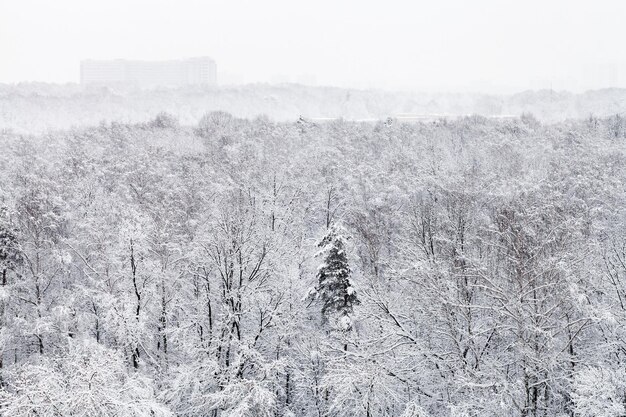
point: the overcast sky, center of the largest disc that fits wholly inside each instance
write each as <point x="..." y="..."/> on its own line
<point x="437" y="45"/>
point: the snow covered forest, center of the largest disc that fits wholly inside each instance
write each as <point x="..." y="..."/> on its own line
<point x="41" y="107"/>
<point x="249" y="267"/>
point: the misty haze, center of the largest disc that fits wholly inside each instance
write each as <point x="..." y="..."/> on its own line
<point x="312" y="209"/>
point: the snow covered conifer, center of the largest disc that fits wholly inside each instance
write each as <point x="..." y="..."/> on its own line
<point x="10" y="255"/>
<point x="334" y="288"/>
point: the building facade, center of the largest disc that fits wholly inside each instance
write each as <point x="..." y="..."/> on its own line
<point x="149" y="74"/>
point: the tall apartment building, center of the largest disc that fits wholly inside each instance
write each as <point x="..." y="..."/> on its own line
<point x="149" y="74"/>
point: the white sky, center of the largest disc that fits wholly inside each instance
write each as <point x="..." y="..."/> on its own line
<point x="436" y="45"/>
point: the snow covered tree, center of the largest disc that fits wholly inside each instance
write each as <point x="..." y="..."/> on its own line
<point x="87" y="380"/>
<point x="598" y="392"/>
<point x="10" y="255"/>
<point x="334" y="288"/>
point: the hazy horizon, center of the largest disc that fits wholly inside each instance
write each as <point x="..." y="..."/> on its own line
<point x="489" y="46"/>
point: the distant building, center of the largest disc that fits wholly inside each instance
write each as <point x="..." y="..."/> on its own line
<point x="149" y="74"/>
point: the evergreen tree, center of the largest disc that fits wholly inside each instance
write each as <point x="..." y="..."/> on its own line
<point x="10" y="255"/>
<point x="334" y="288"/>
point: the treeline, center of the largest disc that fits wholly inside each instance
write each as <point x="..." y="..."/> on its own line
<point x="35" y="108"/>
<point x="252" y="268"/>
